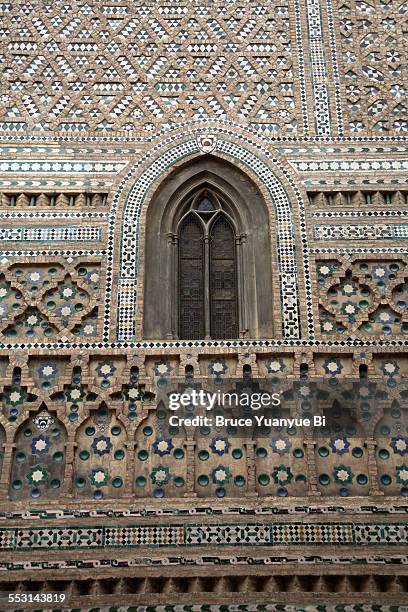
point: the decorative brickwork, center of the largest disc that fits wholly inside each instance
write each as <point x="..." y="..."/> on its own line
<point x="295" y="109"/>
<point x="49" y="299"/>
<point x="372" y="64"/>
<point x="129" y="67"/>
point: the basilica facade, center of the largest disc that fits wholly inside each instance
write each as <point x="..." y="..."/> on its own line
<point x="203" y="193"/>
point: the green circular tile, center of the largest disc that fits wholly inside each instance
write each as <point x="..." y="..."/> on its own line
<point x="178" y="453"/>
<point x="147" y="431"/>
<point x="261" y="452"/>
<point x="237" y="453"/>
<point x="357" y="452"/>
<point x="28" y="433"/>
<point x="141" y="481"/>
<point x="17" y="484"/>
<point x="58" y="456"/>
<point x="324" y="479"/>
<point x="384" y="454"/>
<point x="142" y="455"/>
<point x="119" y="454"/>
<point x="80" y="482"/>
<point x="20" y="457"/>
<point x="298" y="453"/>
<point x="323" y="451"/>
<point x="203" y="455"/>
<point x="84" y="455"/>
<point x="263" y="479"/>
<point x="239" y="481"/>
<point x="362" y="479"/>
<point x="179" y="481"/>
<point x="55" y="483"/>
<point x="386" y="479"/>
<point x="117" y="482"/>
<point x="90" y="431"/>
<point x="115" y="431"/>
<point x="203" y="480"/>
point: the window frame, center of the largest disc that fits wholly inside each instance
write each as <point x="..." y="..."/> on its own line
<point x="207" y="220"/>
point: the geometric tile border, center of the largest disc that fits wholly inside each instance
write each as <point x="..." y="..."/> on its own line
<point x="50" y="234"/>
<point x="52" y="538"/>
<point x="54" y="215"/>
<point x="360" y="232"/>
<point x="348" y="249"/>
<point x="197" y="560"/>
<point x="301" y="65"/>
<point x="67" y="254"/>
<point x="334" y="65"/>
<point x="318" y="68"/>
<point x="385" y="509"/>
<point x="279" y="607"/>
<point x="350" y="165"/>
<point x="322" y="214"/>
<point x="21" y="183"/>
<point x="62" y="166"/>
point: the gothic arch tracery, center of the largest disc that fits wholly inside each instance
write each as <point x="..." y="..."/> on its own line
<point x="208" y="288"/>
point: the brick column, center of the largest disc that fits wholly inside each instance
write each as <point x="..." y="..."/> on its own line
<point x="6" y="470"/>
<point x="311" y="468"/>
<point x="191" y="471"/>
<point x="251" y="468"/>
<point x="67" y="485"/>
<point x="371" y="445"/>
<point x="130" y="468"/>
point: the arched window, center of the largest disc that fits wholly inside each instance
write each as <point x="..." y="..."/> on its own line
<point x="207" y="256"/>
<point x="207" y="271"/>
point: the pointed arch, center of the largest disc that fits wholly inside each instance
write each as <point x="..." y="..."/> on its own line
<point x="208" y="271"/>
<point x="38" y="460"/>
<point x="266" y="169"/>
<point x="100" y="461"/>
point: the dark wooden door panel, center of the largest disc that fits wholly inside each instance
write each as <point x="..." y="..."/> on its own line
<point x="191" y="280"/>
<point x="223" y="281"/>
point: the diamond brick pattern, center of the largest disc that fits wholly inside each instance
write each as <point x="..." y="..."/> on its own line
<point x="140" y="55"/>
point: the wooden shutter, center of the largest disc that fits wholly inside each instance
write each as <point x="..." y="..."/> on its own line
<point x="223" y="280"/>
<point x="191" y="279"/>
